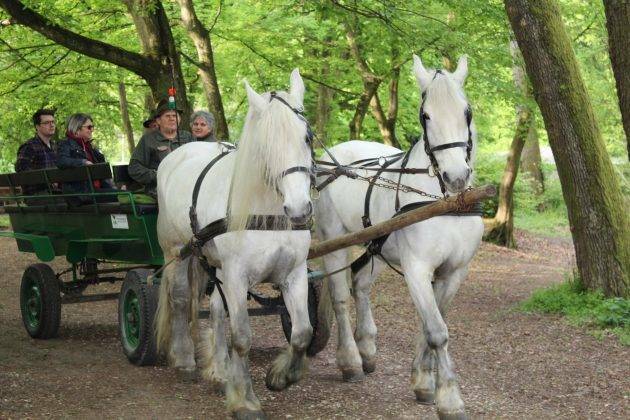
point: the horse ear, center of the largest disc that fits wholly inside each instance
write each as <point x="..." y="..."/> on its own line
<point x="422" y="75"/>
<point x="461" y="71"/>
<point x="254" y="98"/>
<point x="297" y="86"/>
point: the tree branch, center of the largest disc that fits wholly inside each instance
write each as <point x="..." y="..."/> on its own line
<point x="132" y="61"/>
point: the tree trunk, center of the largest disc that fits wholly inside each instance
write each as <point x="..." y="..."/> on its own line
<point x="531" y="162"/>
<point x="370" y="84"/>
<point x="124" y="112"/>
<point x="618" y="25"/>
<point x="530" y="158"/>
<point x="157" y="42"/>
<point x="599" y="222"/>
<point x="387" y="123"/>
<point x="201" y="38"/>
<point x="154" y="31"/>
<point x="502" y="225"/>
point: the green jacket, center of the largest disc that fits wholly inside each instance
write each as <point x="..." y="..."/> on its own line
<point x="149" y="152"/>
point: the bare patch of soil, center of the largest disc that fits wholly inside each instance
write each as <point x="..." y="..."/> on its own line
<point x="511" y="365"/>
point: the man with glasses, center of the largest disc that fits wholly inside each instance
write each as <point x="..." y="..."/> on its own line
<point x="40" y="151"/>
<point x="155" y="146"/>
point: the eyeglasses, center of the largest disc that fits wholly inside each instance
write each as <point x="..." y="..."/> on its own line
<point x="47" y="123"/>
<point x="89" y="127"/>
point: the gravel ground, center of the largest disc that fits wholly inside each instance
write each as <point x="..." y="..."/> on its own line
<point x="511" y="364"/>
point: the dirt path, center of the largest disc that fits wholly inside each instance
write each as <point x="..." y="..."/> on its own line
<point x="511" y="365"/>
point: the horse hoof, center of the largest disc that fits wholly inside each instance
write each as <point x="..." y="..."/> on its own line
<point x="244" y="414"/>
<point x="352" y="375"/>
<point x="186" y="375"/>
<point x="424" y="396"/>
<point x="452" y="415"/>
<point x="273" y="384"/>
<point x="369" y="365"/>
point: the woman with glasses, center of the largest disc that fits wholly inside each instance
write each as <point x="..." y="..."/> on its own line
<point x="77" y="150"/>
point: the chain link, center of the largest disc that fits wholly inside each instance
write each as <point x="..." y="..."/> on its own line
<point x="393" y="185"/>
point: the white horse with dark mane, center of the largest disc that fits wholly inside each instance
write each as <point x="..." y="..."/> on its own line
<point x="268" y="175"/>
<point x="434" y="254"/>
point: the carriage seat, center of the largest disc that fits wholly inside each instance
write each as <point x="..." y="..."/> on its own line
<point x="15" y="181"/>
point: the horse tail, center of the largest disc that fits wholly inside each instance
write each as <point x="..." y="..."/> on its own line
<point x="197" y="279"/>
<point x="325" y="312"/>
<point x="164" y="311"/>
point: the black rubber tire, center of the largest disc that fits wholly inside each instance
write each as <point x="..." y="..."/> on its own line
<point x="44" y="323"/>
<point x="137" y="336"/>
<point x="315" y="346"/>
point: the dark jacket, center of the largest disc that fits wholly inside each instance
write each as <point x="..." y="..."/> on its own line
<point x="149" y="152"/>
<point x="70" y="154"/>
<point x="35" y="154"/>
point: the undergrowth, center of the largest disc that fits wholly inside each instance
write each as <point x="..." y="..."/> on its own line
<point x="584" y="308"/>
<point x="4" y="221"/>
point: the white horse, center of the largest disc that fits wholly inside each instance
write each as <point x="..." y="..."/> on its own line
<point x="257" y="179"/>
<point x="434" y="254"/>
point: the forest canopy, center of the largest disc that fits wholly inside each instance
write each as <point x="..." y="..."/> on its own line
<point x="263" y="40"/>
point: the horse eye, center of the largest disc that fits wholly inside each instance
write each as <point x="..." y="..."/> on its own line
<point x="425" y="116"/>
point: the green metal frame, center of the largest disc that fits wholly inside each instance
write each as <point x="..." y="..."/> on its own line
<point x="89" y="234"/>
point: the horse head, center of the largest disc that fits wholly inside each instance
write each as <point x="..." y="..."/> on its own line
<point x="446" y="118"/>
<point x="276" y="151"/>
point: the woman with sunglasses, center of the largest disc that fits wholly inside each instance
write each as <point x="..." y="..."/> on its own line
<point x="77" y="150"/>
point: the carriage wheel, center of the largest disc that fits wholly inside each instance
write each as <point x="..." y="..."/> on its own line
<point x="40" y="301"/>
<point x="317" y="343"/>
<point x="137" y="304"/>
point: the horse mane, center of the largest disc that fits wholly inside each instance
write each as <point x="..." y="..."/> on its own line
<point x="266" y="148"/>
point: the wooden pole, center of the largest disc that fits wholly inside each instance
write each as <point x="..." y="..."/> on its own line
<point x="436" y="209"/>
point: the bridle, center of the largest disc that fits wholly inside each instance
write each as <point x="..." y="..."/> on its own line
<point x="308" y="139"/>
<point x="430" y="151"/>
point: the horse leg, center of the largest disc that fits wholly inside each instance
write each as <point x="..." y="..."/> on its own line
<point x="365" y="332"/>
<point x="290" y="366"/>
<point x="173" y="319"/>
<point x="423" y="372"/>
<point x="449" y="403"/>
<point x="241" y="400"/>
<point x="214" y="360"/>
<point x="348" y="356"/>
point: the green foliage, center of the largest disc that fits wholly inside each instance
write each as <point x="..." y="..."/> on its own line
<point x="4" y="221"/>
<point x="583" y="308"/>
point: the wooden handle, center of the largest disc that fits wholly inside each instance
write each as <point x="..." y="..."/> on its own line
<point x="435" y="209"/>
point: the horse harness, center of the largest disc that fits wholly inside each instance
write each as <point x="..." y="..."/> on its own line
<point x="255" y="222"/>
<point x="374" y="247"/>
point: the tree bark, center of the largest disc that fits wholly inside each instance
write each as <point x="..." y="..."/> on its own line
<point x="618" y="26"/>
<point x="370" y="84"/>
<point x="124" y="112"/>
<point x="201" y="38"/>
<point x="155" y="35"/>
<point x="387" y="123"/>
<point x="599" y="222"/>
<point x="157" y="42"/>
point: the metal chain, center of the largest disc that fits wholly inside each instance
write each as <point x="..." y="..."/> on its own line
<point x="393" y="185"/>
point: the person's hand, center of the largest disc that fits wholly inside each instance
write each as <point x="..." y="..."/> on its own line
<point x="87" y="162"/>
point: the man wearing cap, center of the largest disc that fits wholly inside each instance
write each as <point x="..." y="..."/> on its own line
<point x="156" y="145"/>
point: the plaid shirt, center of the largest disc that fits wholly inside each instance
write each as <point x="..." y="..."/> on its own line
<point x="34" y="154"/>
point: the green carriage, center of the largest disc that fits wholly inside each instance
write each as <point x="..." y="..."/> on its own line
<point x="121" y="231"/>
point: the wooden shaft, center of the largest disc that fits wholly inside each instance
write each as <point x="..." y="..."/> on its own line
<point x="435" y="209"/>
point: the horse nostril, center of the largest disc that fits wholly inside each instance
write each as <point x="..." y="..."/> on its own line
<point x="286" y="210"/>
<point x="446" y="177"/>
